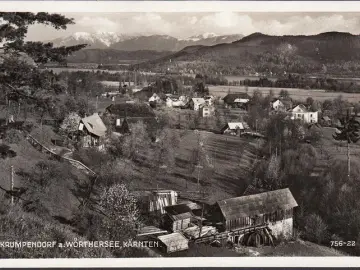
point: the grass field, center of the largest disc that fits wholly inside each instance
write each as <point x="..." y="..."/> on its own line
<point x="232" y="159"/>
<point x="295" y="93"/>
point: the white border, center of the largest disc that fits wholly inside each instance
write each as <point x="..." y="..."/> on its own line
<point x="180" y="6"/>
<point x="183" y="6"/>
<point x="189" y="262"/>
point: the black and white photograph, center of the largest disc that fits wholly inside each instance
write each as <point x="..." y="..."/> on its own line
<point x="177" y="134"/>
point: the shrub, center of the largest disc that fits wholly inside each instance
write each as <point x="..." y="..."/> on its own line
<point x="6" y="152"/>
<point x="13" y="136"/>
<point x="315" y="228"/>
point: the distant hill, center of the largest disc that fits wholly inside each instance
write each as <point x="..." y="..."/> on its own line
<point x="334" y="52"/>
<point x="111" y="56"/>
<point x="168" y="43"/>
<point x="106" y="40"/>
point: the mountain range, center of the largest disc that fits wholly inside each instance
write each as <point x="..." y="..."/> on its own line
<point x="111" y="40"/>
<point x="336" y="51"/>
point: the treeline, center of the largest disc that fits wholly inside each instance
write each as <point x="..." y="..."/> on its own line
<point x="297" y="81"/>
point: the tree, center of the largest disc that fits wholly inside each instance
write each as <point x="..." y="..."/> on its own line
<point x="349" y="132"/>
<point x="70" y="124"/>
<point x="315" y="228"/>
<point x="164" y="151"/>
<point x="120" y="217"/>
<point x="19" y="71"/>
<point x="284" y="94"/>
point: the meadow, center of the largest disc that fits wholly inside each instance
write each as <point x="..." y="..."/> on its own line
<point x="295" y="93"/>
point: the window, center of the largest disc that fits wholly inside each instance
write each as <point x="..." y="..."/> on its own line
<point x="311" y="115"/>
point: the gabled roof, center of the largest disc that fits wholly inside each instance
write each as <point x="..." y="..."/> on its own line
<point x="94" y="125"/>
<point x="262" y="203"/>
<point x="230" y="98"/>
<point x="179" y="211"/>
<point x="130" y="110"/>
<point x="235" y="125"/>
<point x="301" y="107"/>
<point x="198" y="100"/>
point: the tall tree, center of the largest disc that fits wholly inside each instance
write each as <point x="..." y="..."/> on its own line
<point x="349" y="132"/>
<point x="19" y="69"/>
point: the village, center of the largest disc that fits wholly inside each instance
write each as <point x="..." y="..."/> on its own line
<point x="258" y="217"/>
<point x="172" y="148"/>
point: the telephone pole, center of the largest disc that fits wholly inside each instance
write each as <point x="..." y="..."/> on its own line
<point x="12" y="184"/>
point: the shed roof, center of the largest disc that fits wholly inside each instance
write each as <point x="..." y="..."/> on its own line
<point x="262" y="203"/>
<point x="172" y="239"/>
<point x="94" y="125"/>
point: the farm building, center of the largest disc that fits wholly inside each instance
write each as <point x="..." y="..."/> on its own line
<point x="196" y="103"/>
<point x="300" y="112"/>
<point x="178" y="217"/>
<point x="173" y="242"/>
<point x="272" y="209"/>
<point x="92" y="130"/>
<point x="236" y="100"/>
<point x="123" y="115"/>
<point x="234" y="128"/>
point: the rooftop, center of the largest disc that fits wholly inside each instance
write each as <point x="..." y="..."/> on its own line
<point x="251" y="205"/>
<point x="94" y="125"/>
<point x="131" y="110"/>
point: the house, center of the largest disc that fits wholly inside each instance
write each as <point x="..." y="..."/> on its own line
<point x="209" y="100"/>
<point x="175" y="101"/>
<point x="123" y="115"/>
<point x="236" y="100"/>
<point x="280" y="104"/>
<point x="207" y="111"/>
<point x="326" y="121"/>
<point x="272" y="209"/>
<point x="300" y="112"/>
<point x="234" y="128"/>
<point x="196" y="103"/>
<point x="92" y="130"/>
<point x="155" y="98"/>
<point x="177" y="217"/>
<point x="173" y="242"/>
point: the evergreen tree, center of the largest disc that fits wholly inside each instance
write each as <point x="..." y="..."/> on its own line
<point x="349" y="132"/>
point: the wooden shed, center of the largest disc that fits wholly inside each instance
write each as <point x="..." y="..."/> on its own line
<point x="178" y="217"/>
<point x="273" y="209"/>
<point x="173" y="242"/>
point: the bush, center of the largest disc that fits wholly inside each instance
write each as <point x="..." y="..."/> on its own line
<point x="6" y="152"/>
<point x="315" y="228"/>
<point x="13" y="136"/>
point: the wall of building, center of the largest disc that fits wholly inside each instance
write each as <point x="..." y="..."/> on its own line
<point x="282" y="227"/>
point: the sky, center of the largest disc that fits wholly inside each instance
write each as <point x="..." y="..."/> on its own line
<point x="183" y="25"/>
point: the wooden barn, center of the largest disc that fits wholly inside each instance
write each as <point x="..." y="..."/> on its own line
<point x="273" y="209"/>
<point x="173" y="242"/>
<point x="178" y="217"/>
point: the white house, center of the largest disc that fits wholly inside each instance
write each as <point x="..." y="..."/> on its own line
<point x="197" y="103"/>
<point x="300" y="112"/>
<point x="234" y="128"/>
<point x="207" y="111"/>
<point x="154" y="98"/>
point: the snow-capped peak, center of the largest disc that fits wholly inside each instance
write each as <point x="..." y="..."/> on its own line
<point x="201" y="36"/>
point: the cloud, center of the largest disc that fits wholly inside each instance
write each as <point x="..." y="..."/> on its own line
<point x="97" y="24"/>
<point x="187" y="24"/>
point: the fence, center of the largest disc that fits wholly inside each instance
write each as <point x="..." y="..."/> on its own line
<point x="77" y="164"/>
